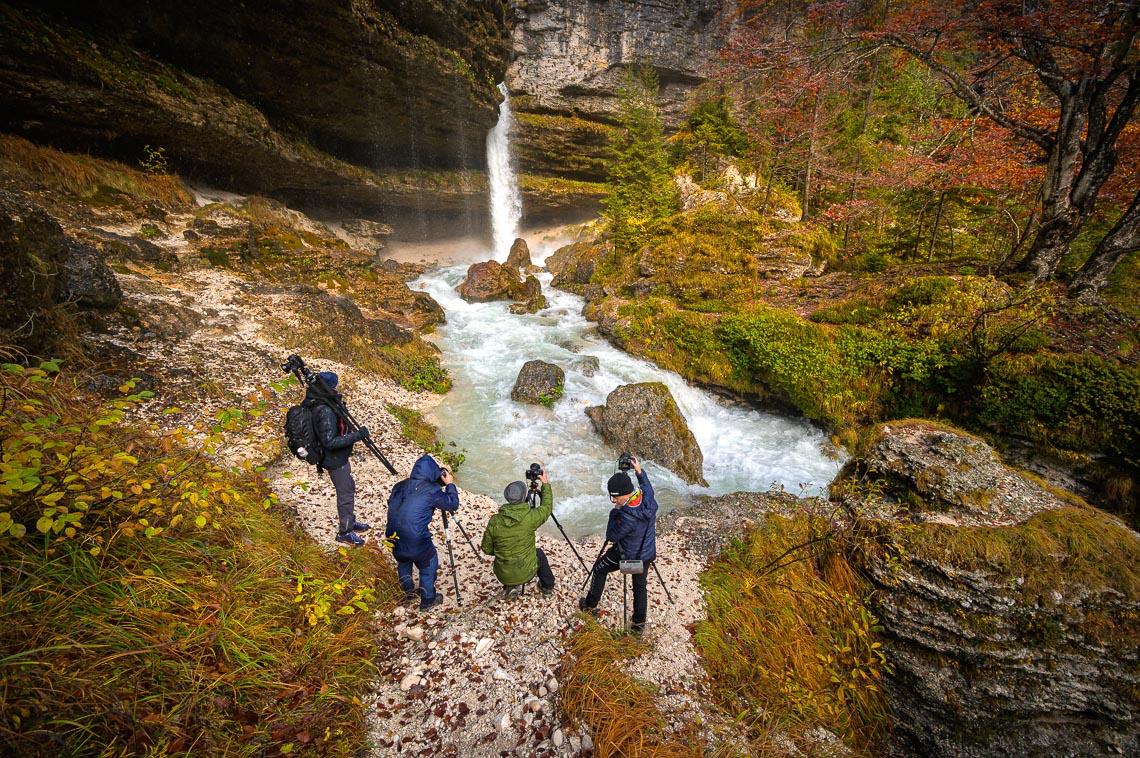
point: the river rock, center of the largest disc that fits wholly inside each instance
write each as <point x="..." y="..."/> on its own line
<point x="587" y="365"/>
<point x="531" y="295"/>
<point x="519" y="259"/>
<point x="1010" y="624"/>
<point x="86" y="278"/>
<point x="487" y="281"/>
<point x="539" y="383"/>
<point x="644" y="419"/>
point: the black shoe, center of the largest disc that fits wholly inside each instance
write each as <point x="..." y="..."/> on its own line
<point x="427" y="605"/>
<point x="583" y="606"/>
<point x="636" y="629"/>
<point x="359" y="526"/>
<point x="410" y="596"/>
<point x="351" y="538"/>
<point x="512" y="591"/>
<point x="547" y="591"/>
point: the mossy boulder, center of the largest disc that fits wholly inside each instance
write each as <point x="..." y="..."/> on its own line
<point x="539" y="383"/>
<point x="644" y="419"/>
<point x="1010" y="612"/>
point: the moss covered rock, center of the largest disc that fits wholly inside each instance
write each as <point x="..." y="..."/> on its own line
<point x="644" y="419"/>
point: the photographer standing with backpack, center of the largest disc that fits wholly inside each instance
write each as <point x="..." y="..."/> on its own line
<point x="336" y="446"/>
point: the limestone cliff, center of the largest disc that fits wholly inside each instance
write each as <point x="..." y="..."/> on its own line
<point x="569" y="57"/>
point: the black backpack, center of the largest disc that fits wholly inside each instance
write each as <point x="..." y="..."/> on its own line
<point x="301" y="434"/>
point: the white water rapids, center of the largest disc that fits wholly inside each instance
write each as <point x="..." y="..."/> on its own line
<point x="484" y="346"/>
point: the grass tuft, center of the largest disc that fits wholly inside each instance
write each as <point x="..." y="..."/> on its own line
<point x="617" y="708"/>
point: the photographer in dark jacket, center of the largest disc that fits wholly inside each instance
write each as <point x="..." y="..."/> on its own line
<point x="337" y="447"/>
<point x="411" y="506"/>
<point x="632" y="530"/>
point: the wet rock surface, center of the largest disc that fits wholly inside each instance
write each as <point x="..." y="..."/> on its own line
<point x="643" y="419"/>
<point x="538" y="383"/>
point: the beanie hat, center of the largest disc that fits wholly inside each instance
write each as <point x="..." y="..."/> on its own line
<point x="330" y="378"/>
<point x="619" y="484"/>
<point x="515" y="492"/>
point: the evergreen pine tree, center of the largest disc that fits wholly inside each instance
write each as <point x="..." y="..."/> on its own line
<point x="640" y="177"/>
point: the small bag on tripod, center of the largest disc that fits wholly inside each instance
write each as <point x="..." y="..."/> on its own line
<point x="631" y="567"/>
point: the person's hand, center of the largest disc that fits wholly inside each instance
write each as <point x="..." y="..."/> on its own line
<point x="636" y="463"/>
<point x="542" y="477"/>
<point x="362" y="433"/>
<point x="446" y="477"/>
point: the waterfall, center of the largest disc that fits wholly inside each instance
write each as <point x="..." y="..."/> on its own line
<point x="506" y="202"/>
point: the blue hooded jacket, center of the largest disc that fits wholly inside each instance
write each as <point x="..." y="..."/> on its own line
<point x="412" y="505"/>
<point x="634" y="530"/>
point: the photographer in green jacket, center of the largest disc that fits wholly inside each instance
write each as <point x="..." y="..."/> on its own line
<point x="510" y="535"/>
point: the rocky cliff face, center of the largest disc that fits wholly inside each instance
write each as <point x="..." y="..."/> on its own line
<point x="311" y="102"/>
<point x="1009" y="612"/>
<point x="569" y="57"/>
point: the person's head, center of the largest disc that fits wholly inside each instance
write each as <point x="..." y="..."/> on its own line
<point x="329" y="378"/>
<point x="515" y="493"/>
<point x="620" y="488"/>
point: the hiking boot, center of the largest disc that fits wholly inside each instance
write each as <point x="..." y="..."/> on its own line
<point x="637" y="629"/>
<point x="351" y="538"/>
<point x="583" y="606"/>
<point x="360" y="526"/>
<point x="512" y="591"/>
<point x="427" y="605"/>
<point x="546" y="591"/>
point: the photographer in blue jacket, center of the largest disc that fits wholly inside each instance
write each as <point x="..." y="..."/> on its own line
<point x="632" y="529"/>
<point x="411" y="507"/>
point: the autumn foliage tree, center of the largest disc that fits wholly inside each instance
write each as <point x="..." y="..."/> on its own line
<point x="1058" y="77"/>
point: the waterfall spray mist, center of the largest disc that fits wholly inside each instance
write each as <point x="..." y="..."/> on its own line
<point x="506" y="202"/>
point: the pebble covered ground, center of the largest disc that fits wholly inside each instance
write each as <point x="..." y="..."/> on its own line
<point x="478" y="675"/>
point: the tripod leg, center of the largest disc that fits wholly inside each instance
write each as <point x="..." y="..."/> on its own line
<point x="662" y="580"/>
<point x="451" y="558"/>
<point x="469" y="542"/>
<point x="590" y="573"/>
<point x="570" y="543"/>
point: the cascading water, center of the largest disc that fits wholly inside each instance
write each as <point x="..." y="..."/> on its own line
<point x="484" y="346"/>
<point x="506" y="201"/>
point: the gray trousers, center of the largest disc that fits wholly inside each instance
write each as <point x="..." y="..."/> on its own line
<point x="345" y="487"/>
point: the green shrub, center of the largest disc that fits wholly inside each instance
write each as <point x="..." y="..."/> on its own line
<point x="1074" y="402"/>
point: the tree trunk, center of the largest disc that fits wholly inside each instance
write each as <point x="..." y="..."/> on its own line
<point x="859" y="156"/>
<point x="805" y="196"/>
<point x="934" y="231"/>
<point x="1123" y="239"/>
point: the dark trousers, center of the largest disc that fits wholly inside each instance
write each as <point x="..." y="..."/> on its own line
<point x="545" y="575"/>
<point x="345" y="487"/>
<point x="428" y="565"/>
<point x="608" y="564"/>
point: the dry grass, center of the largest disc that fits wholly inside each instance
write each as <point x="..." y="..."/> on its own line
<point x="619" y="710"/>
<point x="789" y="644"/>
<point x="92" y="180"/>
<point x="227" y="632"/>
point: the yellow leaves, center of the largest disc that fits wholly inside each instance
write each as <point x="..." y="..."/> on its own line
<point x="52" y="498"/>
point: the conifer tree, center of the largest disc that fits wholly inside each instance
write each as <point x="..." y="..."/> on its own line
<point x="640" y="177"/>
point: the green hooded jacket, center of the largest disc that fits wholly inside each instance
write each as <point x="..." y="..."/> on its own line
<point x="510" y="538"/>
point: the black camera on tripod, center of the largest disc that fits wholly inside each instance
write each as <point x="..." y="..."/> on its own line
<point x="533" y="473"/>
<point x="292" y="363"/>
<point x="625" y="462"/>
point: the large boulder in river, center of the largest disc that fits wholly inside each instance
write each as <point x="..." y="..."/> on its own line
<point x="487" y="281"/>
<point x="644" y="419"/>
<point x="539" y="383"/>
<point x="1010" y="611"/>
<point x="519" y="259"/>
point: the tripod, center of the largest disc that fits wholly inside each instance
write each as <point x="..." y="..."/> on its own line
<point x="532" y="498"/>
<point x="451" y="557"/>
<point x="296" y="366"/>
